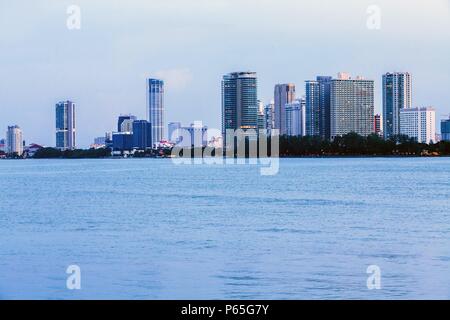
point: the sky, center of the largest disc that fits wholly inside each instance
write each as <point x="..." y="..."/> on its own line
<point x="191" y="44"/>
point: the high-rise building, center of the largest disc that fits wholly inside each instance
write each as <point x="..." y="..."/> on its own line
<point x="261" y="116"/>
<point x="128" y="120"/>
<point x="239" y="101"/>
<point x="174" y="129"/>
<point x="283" y="94"/>
<point x="296" y="118"/>
<point x="313" y="114"/>
<point x="445" y="130"/>
<point x="142" y="135"/>
<point x="352" y="106"/>
<point x="269" y="116"/>
<point x="65" y="125"/>
<point x="377" y="125"/>
<point x="122" y="141"/>
<point x="14" y="140"/>
<point x="396" y="96"/>
<point x="155" y="105"/>
<point x="318" y="106"/>
<point x="418" y="123"/>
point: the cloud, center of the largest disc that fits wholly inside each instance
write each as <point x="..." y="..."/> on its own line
<point x="175" y="79"/>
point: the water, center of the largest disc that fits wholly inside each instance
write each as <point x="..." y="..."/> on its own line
<point x="147" y="229"/>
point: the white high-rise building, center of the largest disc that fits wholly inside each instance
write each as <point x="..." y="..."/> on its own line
<point x="419" y="123"/>
<point x="296" y="118"/>
<point x="155" y="108"/>
<point x="352" y="106"/>
<point x="14" y="140"/>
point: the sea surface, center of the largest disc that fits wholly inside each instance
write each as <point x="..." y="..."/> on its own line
<point x="150" y="229"/>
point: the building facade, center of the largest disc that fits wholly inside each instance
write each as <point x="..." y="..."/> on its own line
<point x="352" y="106"/>
<point x="239" y="101"/>
<point x="419" y="123"/>
<point x="269" y="116"/>
<point x="313" y="114"/>
<point x="377" y="125"/>
<point x="142" y="135"/>
<point x="397" y="95"/>
<point x="296" y="118"/>
<point x="14" y="140"/>
<point x="128" y="120"/>
<point x="445" y="130"/>
<point x="283" y="94"/>
<point x="65" y="125"/>
<point x="155" y="108"/>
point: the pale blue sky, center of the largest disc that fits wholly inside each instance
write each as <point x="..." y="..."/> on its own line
<point x="192" y="43"/>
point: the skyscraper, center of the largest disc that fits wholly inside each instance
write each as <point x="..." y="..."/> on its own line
<point x="396" y="96"/>
<point x="318" y="106"/>
<point x="155" y="104"/>
<point x="269" y="116"/>
<point x="283" y="94"/>
<point x="122" y="118"/>
<point x="65" y="125"/>
<point x="352" y="106"/>
<point x="296" y="118"/>
<point x="445" y="130"/>
<point x="142" y="134"/>
<point x="418" y="123"/>
<point x="239" y="101"/>
<point x="14" y="140"/>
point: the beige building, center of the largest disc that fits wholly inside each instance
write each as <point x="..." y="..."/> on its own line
<point x="14" y="140"/>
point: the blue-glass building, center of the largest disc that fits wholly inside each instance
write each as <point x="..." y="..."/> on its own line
<point x="123" y="118"/>
<point x="155" y="111"/>
<point x="318" y="107"/>
<point x="445" y="130"/>
<point x="142" y="135"/>
<point x="239" y="101"/>
<point x="65" y="125"/>
<point x="122" y="141"/>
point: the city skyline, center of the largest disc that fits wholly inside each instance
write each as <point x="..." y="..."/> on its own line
<point x="103" y="66"/>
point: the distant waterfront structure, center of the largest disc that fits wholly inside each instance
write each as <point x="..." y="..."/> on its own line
<point x="261" y="116"/>
<point x="352" y="106"/>
<point x="296" y="118"/>
<point x="174" y="135"/>
<point x="445" y="129"/>
<point x="397" y="95"/>
<point x="283" y="94"/>
<point x="122" y="142"/>
<point x="239" y="101"/>
<point x="377" y="125"/>
<point x="155" y="108"/>
<point x="419" y="123"/>
<point x="269" y="116"/>
<point x="14" y="140"/>
<point x="3" y="145"/>
<point x="125" y="123"/>
<point x="65" y="125"/>
<point x="142" y="135"/>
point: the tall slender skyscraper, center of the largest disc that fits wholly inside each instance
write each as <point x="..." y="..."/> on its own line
<point x="318" y="106"/>
<point x="239" y="101"/>
<point x="396" y="96"/>
<point x="14" y="140"/>
<point x="155" y="108"/>
<point x="65" y="125"/>
<point x="352" y="106"/>
<point x="283" y="94"/>
<point x="312" y="112"/>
